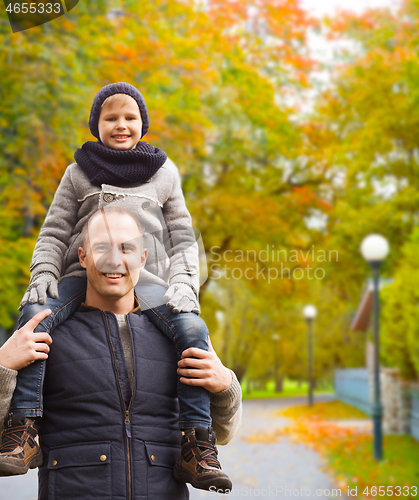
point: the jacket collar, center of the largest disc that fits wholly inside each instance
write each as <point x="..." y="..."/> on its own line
<point x="86" y="308"/>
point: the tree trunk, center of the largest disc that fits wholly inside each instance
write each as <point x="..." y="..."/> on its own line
<point x="279" y="383"/>
<point x="248" y="387"/>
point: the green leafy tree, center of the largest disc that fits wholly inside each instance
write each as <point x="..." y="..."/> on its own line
<point x="400" y="313"/>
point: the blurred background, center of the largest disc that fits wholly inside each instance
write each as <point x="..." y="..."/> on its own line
<point x="294" y="126"/>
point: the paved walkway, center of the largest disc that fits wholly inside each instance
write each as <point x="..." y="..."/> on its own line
<point x="271" y="470"/>
<point x="264" y="470"/>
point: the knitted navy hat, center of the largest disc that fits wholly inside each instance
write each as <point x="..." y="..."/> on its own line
<point x="112" y="89"/>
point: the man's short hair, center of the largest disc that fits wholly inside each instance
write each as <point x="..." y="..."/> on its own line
<point x="112" y="209"/>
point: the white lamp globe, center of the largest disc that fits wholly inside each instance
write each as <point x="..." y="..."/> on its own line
<point x="374" y="248"/>
<point x="309" y="312"/>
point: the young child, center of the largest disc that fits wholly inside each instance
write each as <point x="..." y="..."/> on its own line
<point x="120" y="169"/>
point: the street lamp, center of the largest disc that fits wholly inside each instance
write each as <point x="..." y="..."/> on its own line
<point x="374" y="249"/>
<point x="277" y="360"/>
<point x="309" y="313"/>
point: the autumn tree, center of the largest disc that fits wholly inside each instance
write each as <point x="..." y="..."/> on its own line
<point x="220" y="83"/>
<point x="364" y="133"/>
<point x="46" y="73"/>
<point x="400" y="313"/>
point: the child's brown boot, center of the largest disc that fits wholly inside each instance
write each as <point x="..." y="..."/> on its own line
<point x="198" y="463"/>
<point x="19" y="451"/>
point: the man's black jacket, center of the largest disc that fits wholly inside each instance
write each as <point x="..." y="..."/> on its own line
<point x="98" y="442"/>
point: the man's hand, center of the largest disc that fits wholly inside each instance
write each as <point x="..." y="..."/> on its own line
<point x="206" y="366"/>
<point x="26" y="346"/>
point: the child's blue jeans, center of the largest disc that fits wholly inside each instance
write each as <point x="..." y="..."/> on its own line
<point x="185" y="329"/>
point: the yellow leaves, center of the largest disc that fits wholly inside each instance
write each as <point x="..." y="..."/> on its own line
<point x="123" y="51"/>
<point x="20" y="171"/>
<point x="267" y="437"/>
<point x="317" y="433"/>
<point x="347" y="447"/>
<point x="333" y="410"/>
<point x="14" y="256"/>
<point x="314" y="426"/>
<point x="249" y="27"/>
<point x="66" y="24"/>
<point x="189" y="65"/>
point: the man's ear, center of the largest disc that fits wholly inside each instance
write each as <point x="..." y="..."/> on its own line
<point x="143" y="258"/>
<point x="82" y="257"/>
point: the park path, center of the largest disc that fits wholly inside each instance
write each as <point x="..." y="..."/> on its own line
<point x="256" y="469"/>
<point x="271" y="470"/>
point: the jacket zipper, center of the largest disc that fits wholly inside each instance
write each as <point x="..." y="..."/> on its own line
<point x="126" y="411"/>
<point x="128" y="433"/>
<point x="127" y="421"/>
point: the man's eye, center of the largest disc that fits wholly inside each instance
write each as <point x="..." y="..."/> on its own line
<point x="126" y="248"/>
<point x="110" y="119"/>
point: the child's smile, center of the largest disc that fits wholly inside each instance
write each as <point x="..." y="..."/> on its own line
<point x="120" y="125"/>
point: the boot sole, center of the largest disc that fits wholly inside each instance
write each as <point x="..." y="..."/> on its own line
<point x="184" y="477"/>
<point x="16" y="470"/>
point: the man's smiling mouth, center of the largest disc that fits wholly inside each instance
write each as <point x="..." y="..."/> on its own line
<point x="113" y="275"/>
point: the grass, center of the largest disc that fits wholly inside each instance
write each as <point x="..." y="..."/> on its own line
<point x="290" y="388"/>
<point x="352" y="464"/>
<point x="349" y="452"/>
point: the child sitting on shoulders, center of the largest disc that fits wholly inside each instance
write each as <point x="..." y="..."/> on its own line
<point x="120" y="169"/>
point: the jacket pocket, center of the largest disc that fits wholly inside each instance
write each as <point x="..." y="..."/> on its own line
<point x="80" y="471"/>
<point x="160" y="481"/>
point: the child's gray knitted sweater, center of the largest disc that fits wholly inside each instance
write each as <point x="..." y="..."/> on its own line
<point x="160" y="205"/>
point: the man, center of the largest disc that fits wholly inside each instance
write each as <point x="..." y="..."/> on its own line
<point x="110" y="424"/>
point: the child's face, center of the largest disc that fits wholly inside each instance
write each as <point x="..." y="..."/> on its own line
<point x="120" y="124"/>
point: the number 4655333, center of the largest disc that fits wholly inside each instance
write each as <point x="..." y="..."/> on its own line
<point x="34" y="8"/>
<point x="389" y="491"/>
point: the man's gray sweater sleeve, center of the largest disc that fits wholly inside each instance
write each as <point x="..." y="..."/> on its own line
<point x="226" y="411"/>
<point x="7" y="386"/>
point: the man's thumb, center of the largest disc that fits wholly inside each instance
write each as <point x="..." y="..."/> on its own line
<point x="34" y="322"/>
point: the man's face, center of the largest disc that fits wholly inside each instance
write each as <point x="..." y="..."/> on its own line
<point x="120" y="124"/>
<point x="114" y="257"/>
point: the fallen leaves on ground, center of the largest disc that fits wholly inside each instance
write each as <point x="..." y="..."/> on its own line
<point x="332" y="410"/>
<point x="346" y="445"/>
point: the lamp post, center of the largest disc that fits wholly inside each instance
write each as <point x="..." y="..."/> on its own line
<point x="374" y="249"/>
<point x="309" y="313"/>
<point x="277" y="359"/>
